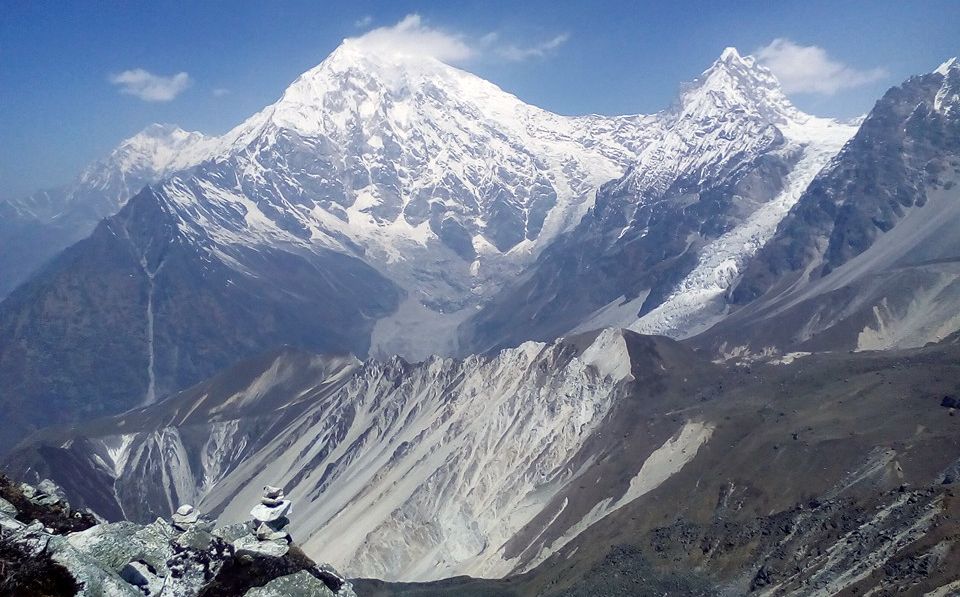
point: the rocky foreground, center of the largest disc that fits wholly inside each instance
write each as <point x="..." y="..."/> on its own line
<point x="48" y="548"/>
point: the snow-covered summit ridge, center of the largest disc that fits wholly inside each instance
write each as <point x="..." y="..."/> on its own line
<point x="449" y="185"/>
<point x="735" y="83"/>
<point x="726" y="117"/>
<point x="105" y="185"/>
<point x="409" y="138"/>
<point x="945" y="68"/>
<point x="948" y="97"/>
<point x="156" y="150"/>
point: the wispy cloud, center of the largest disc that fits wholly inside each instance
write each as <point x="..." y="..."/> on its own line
<point x="363" y="21"/>
<point x="413" y="36"/>
<point x="809" y="69"/>
<point x="516" y="53"/>
<point x="220" y="92"/>
<point x="150" y="87"/>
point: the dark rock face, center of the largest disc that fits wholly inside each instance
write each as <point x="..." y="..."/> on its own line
<point x="52" y="511"/>
<point x="454" y="235"/>
<point x="626" y="245"/>
<point x="139" y="310"/>
<point x="239" y="573"/>
<point x="26" y="573"/>
<point x="28" y="243"/>
<point x="882" y="173"/>
<point x="35" y="228"/>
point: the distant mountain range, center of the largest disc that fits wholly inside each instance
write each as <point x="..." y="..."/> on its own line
<point x="373" y="208"/>
<point x="395" y="205"/>
<point x="33" y="229"/>
<point x="724" y="334"/>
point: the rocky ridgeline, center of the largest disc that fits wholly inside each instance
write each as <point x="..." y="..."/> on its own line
<point x="47" y="548"/>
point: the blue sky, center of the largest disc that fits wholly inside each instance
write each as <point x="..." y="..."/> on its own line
<point x="64" y="65"/>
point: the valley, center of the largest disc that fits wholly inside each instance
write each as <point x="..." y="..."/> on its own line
<point x="444" y="341"/>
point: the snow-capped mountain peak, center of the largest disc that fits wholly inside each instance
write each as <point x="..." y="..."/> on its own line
<point x="152" y="153"/>
<point x="106" y="184"/>
<point x="359" y="84"/>
<point x="945" y="68"/>
<point x="948" y="97"/>
<point x="735" y="83"/>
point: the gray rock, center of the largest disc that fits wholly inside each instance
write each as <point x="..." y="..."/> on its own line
<point x="51" y="491"/>
<point x="116" y="544"/>
<point x="27" y="490"/>
<point x="185" y="516"/>
<point x="7" y="508"/>
<point x="196" y="538"/>
<point x="231" y="532"/>
<point x="95" y="579"/>
<point x="141" y="576"/>
<point x="9" y="523"/>
<point x="272" y="496"/>
<point x="300" y="584"/>
<point x="273" y="531"/>
<point x="252" y="546"/>
<point x="275" y="493"/>
<point x="264" y="513"/>
<point x="126" y="559"/>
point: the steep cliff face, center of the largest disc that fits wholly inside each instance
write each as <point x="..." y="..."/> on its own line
<point x="141" y="309"/>
<point x="420" y="470"/>
<point x="539" y="459"/>
<point x="904" y="147"/>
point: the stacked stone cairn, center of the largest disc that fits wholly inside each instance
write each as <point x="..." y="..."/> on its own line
<point x="270" y="516"/>
<point x="185" y="518"/>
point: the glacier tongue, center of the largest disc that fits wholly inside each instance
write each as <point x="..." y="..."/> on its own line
<point x="697" y="301"/>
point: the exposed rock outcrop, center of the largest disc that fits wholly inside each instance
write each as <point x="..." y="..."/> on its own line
<point x="62" y="552"/>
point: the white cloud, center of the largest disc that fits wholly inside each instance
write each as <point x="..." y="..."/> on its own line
<point x="809" y="69"/>
<point x="220" y="92"/>
<point x="516" y="53"/>
<point x="411" y="37"/>
<point x="363" y="21"/>
<point x="150" y="87"/>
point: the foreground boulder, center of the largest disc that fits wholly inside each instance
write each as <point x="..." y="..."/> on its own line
<point x="47" y="549"/>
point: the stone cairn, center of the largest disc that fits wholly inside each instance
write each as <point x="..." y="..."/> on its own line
<point x="185" y="517"/>
<point x="270" y="515"/>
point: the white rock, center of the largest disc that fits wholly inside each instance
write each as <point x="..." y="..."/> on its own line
<point x="251" y="545"/>
<point x="264" y="513"/>
<point x="10" y="523"/>
<point x="7" y="508"/>
<point x="271" y="492"/>
<point x="185" y="516"/>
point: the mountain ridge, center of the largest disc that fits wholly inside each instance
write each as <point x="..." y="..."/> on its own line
<point x="759" y="455"/>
